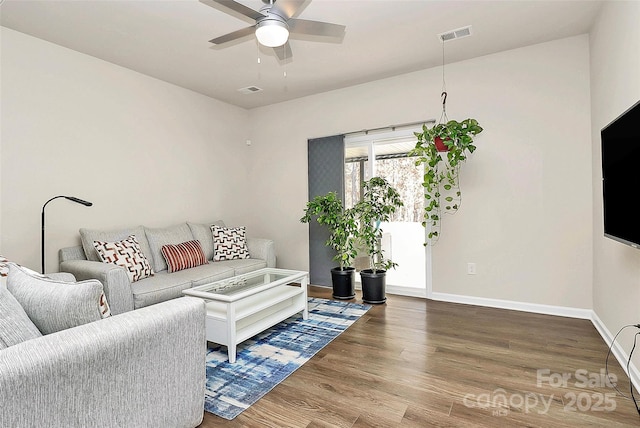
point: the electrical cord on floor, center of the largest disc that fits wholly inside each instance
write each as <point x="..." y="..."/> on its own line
<point x="628" y="363"/>
<point x="606" y="365"/>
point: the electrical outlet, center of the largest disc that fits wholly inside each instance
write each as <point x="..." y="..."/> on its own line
<point x="471" y="268"/>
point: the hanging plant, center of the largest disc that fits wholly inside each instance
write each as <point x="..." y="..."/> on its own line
<point x="441" y="174"/>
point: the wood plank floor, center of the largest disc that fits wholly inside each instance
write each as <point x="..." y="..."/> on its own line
<point x="420" y="363"/>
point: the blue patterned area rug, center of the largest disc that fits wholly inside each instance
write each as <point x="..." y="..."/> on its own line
<point x="268" y="358"/>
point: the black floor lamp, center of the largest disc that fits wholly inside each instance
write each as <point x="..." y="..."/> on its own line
<point x="71" y="198"/>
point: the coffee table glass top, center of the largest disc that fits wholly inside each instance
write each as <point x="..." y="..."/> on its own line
<point x="250" y="281"/>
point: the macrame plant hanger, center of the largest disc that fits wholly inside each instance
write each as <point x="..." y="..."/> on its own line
<point x="443" y="117"/>
<point x="450" y="192"/>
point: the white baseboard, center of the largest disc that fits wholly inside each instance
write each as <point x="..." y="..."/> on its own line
<point x="620" y="355"/>
<point x="406" y="291"/>
<point x="617" y="351"/>
<point x="562" y="311"/>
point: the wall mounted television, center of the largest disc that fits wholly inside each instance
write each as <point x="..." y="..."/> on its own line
<point x="621" y="177"/>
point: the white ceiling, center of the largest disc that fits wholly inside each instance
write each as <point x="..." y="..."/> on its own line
<point x="168" y="39"/>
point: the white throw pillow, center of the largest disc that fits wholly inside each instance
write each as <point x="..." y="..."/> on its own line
<point x="127" y="254"/>
<point x="229" y="243"/>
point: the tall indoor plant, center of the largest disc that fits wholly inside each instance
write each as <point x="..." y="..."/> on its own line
<point x="441" y="174"/>
<point x="379" y="201"/>
<point x="329" y="211"/>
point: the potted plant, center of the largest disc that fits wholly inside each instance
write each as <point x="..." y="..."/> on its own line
<point x="441" y="174"/>
<point x="341" y="223"/>
<point x="379" y="201"/>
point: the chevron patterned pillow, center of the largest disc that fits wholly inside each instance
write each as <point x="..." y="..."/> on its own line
<point x="127" y="254"/>
<point x="229" y="243"/>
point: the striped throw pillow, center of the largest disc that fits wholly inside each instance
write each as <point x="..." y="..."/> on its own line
<point x="183" y="256"/>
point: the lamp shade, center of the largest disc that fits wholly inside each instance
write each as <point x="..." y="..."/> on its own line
<point x="272" y="33"/>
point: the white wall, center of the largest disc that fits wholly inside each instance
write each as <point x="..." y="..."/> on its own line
<point x="615" y="86"/>
<point x="526" y="213"/>
<point x="142" y="150"/>
<point x="70" y="120"/>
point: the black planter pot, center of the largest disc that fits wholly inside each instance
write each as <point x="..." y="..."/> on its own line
<point x="343" y="283"/>
<point x="373" y="286"/>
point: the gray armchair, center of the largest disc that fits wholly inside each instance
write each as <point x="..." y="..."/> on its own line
<point x="143" y="368"/>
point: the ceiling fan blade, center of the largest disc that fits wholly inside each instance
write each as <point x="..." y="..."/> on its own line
<point x="283" y="52"/>
<point x="233" y="35"/>
<point x="288" y="8"/>
<point x="235" y="6"/>
<point x="315" y="28"/>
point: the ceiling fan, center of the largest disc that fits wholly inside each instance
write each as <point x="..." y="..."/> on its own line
<point x="273" y="23"/>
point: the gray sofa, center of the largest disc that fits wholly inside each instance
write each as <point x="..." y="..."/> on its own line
<point x="142" y="368"/>
<point x="124" y="295"/>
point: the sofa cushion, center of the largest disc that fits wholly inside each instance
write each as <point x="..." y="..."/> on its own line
<point x="164" y="285"/>
<point x="88" y="236"/>
<point x="160" y="287"/>
<point x="229" y="243"/>
<point x="243" y="265"/>
<point x="212" y="272"/>
<point x="163" y="236"/>
<point x="127" y="254"/>
<point x="15" y="325"/>
<point x="55" y="305"/>
<point x="202" y="232"/>
<point x="183" y="256"/>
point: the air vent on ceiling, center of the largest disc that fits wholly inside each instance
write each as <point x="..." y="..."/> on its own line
<point x="249" y="90"/>
<point x="458" y="33"/>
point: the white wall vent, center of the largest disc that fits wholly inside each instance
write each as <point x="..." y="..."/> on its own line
<point x="458" y="33"/>
<point x="249" y="90"/>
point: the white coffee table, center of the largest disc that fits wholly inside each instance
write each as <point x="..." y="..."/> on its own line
<point x="241" y="307"/>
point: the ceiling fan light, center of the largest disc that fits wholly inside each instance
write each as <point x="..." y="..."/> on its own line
<point x="272" y="33"/>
